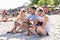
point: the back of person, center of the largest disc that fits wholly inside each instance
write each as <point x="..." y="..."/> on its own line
<point x="41" y="19"/>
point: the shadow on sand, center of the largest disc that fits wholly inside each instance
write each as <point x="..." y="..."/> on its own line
<point x="21" y="36"/>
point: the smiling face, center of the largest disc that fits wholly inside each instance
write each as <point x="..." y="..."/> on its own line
<point x="33" y="11"/>
<point x="23" y="12"/>
<point x="41" y="13"/>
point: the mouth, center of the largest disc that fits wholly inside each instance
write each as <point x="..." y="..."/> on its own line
<point x="39" y="14"/>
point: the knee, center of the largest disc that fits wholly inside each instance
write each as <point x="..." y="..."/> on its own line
<point x="41" y="31"/>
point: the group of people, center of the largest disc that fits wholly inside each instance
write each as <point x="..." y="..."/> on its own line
<point x="33" y="19"/>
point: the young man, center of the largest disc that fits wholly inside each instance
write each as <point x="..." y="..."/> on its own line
<point x="32" y="14"/>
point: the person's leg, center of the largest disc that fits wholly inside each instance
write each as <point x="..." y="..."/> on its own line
<point x="24" y="25"/>
<point x="16" y="25"/>
<point x="32" y="30"/>
<point x="14" y="29"/>
<point x="20" y="27"/>
<point x="41" y="31"/>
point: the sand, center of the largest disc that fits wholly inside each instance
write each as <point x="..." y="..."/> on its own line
<point x="54" y="31"/>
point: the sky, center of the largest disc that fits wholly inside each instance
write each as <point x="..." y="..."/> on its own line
<point x="7" y="4"/>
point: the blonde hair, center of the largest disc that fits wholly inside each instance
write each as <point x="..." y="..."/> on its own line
<point x="21" y="16"/>
<point x="39" y="9"/>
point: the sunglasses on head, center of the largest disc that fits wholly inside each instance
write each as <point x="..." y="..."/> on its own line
<point x="23" y="11"/>
<point x="40" y="10"/>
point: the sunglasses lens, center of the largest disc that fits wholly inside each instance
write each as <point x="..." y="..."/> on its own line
<point x="23" y="11"/>
<point x="40" y="10"/>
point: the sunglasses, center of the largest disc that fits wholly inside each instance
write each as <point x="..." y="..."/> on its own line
<point x="23" y="11"/>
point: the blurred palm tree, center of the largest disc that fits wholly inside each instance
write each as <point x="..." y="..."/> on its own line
<point x="50" y="2"/>
<point x="45" y="2"/>
<point x="56" y="2"/>
<point x="41" y="2"/>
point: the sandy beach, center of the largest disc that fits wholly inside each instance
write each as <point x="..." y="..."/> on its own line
<point x="54" y="31"/>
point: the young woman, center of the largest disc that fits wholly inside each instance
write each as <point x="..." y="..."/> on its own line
<point x="19" y="20"/>
<point x="42" y="29"/>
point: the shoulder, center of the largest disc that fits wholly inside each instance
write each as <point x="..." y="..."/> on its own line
<point x="46" y="18"/>
<point x="29" y="15"/>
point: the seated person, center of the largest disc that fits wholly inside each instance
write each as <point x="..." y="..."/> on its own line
<point x="13" y="18"/>
<point x="5" y="19"/>
<point x="42" y="29"/>
<point x="19" y="20"/>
